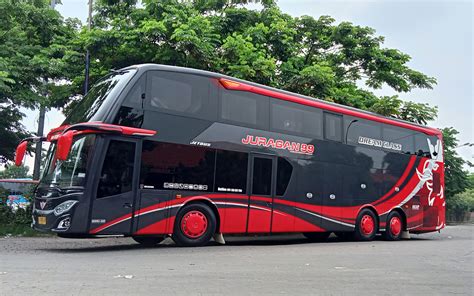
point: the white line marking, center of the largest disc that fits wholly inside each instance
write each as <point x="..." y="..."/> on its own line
<point x="326" y="218"/>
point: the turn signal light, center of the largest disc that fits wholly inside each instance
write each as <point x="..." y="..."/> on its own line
<point x="234" y="85"/>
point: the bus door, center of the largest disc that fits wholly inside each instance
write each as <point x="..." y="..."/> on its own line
<point x="113" y="201"/>
<point x="262" y="190"/>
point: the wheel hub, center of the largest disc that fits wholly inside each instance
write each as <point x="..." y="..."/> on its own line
<point x="395" y="226"/>
<point x="367" y="225"/>
<point x="194" y="224"/>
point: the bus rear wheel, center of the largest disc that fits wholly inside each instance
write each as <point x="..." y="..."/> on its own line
<point x="148" y="241"/>
<point x="366" y="226"/>
<point x="317" y="236"/>
<point x="394" y="227"/>
<point x="194" y="225"/>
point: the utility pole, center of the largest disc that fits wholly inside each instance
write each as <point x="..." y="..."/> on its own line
<point x="88" y="55"/>
<point x="39" y="144"/>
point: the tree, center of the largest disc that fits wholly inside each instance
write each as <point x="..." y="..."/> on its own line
<point x="34" y="63"/>
<point x="394" y="107"/>
<point x="42" y="55"/>
<point x="314" y="57"/>
<point x="455" y="177"/>
<point x="14" y="172"/>
<point x="470" y="179"/>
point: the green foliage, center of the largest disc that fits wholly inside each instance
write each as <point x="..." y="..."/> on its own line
<point x="15" y="221"/>
<point x="459" y="185"/>
<point x="11" y="131"/>
<point x="455" y="177"/>
<point x="315" y="57"/>
<point x="33" y="61"/>
<point x="394" y="107"/>
<point x="15" y="172"/>
<point x="42" y="55"/>
<point x="470" y="179"/>
<point x="460" y="205"/>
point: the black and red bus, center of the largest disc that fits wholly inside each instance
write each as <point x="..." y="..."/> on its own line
<point x="154" y="151"/>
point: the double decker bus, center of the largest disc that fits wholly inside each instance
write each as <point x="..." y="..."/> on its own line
<point x="155" y="151"/>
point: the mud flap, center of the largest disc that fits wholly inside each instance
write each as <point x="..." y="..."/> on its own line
<point x="219" y="238"/>
<point x="405" y="235"/>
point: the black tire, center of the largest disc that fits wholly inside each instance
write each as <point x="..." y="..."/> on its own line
<point x="361" y="233"/>
<point x="148" y="241"/>
<point x="345" y="235"/>
<point x="317" y="236"/>
<point x="181" y="238"/>
<point x="393" y="232"/>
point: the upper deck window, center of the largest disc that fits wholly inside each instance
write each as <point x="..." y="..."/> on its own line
<point x="244" y="108"/>
<point x="294" y="118"/>
<point x="180" y="93"/>
<point x="359" y="129"/>
<point x="404" y="137"/>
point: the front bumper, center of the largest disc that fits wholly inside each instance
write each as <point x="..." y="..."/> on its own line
<point x="46" y="221"/>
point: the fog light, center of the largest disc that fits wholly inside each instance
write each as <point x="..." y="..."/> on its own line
<point x="64" y="224"/>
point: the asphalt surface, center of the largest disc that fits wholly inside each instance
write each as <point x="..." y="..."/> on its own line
<point x="429" y="264"/>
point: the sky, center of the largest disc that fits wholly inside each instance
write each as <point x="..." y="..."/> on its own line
<point x="438" y="35"/>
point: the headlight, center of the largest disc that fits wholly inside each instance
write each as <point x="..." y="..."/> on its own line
<point x="64" y="207"/>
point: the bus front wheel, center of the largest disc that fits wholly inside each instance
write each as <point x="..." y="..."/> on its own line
<point x="194" y="225"/>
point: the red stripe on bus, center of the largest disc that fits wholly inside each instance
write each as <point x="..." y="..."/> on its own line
<point x="239" y="86"/>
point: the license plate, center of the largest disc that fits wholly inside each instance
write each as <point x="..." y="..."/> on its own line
<point x="42" y="220"/>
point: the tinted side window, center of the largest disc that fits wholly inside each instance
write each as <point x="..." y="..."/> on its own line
<point x="244" y="108"/>
<point x="421" y="145"/>
<point x="262" y="176"/>
<point x="131" y="111"/>
<point x="129" y="116"/>
<point x="179" y="93"/>
<point x="333" y="127"/>
<point x="400" y="136"/>
<point x="284" y="170"/>
<point x="290" y="117"/>
<point x="117" y="171"/>
<point x="356" y="128"/>
<point x="134" y="96"/>
<point x="231" y="171"/>
<point x="177" y="167"/>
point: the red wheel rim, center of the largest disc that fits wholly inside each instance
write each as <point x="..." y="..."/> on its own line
<point x="395" y="226"/>
<point x="367" y="225"/>
<point x="194" y="224"/>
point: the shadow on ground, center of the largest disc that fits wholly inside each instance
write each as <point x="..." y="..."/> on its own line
<point x="274" y="240"/>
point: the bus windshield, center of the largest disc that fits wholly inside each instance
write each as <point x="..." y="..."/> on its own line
<point x="100" y="98"/>
<point x="73" y="171"/>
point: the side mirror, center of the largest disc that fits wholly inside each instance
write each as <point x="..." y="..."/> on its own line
<point x="20" y="153"/>
<point x="64" y="145"/>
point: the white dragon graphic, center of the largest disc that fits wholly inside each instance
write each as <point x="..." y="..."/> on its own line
<point x="431" y="165"/>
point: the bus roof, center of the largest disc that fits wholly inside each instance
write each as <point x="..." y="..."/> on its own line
<point x="244" y="85"/>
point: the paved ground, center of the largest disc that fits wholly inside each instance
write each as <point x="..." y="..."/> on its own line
<point x="430" y="264"/>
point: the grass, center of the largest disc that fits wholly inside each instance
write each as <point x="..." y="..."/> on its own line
<point x="20" y="230"/>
